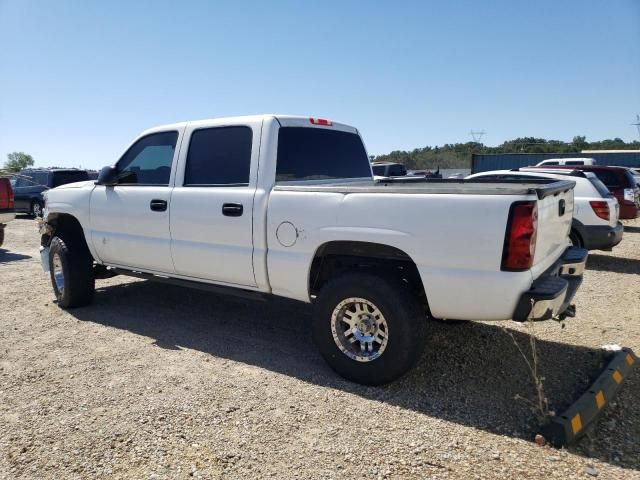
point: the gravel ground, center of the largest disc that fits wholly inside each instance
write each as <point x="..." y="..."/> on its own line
<point x="157" y="381"/>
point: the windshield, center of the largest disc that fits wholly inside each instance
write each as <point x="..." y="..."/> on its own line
<point x="633" y="180"/>
<point x="319" y="154"/>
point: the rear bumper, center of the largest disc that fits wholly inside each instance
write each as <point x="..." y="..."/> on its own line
<point x="550" y="295"/>
<point x="601" y="237"/>
<point x="628" y="211"/>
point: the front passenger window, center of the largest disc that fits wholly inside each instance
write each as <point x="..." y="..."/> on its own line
<point x="148" y="161"/>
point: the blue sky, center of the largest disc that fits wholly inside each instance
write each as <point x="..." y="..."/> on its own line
<point x="80" y="79"/>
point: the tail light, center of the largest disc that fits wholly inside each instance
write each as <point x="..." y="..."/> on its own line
<point x="6" y="194"/>
<point x="520" y="239"/>
<point x="601" y="209"/>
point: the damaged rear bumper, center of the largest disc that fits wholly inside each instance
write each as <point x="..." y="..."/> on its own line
<point x="550" y="295"/>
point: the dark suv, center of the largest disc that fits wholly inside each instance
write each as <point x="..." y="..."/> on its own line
<point x="29" y="184"/>
<point x="620" y="181"/>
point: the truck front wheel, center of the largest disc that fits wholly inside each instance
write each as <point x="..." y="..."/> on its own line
<point x="370" y="330"/>
<point x="71" y="270"/>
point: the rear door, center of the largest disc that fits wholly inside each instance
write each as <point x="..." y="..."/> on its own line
<point x="21" y="191"/>
<point x="212" y="203"/>
<point x="130" y="221"/>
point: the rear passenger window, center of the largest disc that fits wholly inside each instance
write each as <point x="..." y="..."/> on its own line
<point x="574" y="162"/>
<point x="219" y="156"/>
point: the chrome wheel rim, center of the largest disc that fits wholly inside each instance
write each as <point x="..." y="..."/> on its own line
<point x="359" y="329"/>
<point x="58" y="274"/>
<point x="37" y="211"/>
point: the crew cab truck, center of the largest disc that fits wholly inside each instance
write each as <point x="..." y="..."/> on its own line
<point x="284" y="205"/>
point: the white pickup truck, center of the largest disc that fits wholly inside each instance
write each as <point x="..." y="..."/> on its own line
<point x="283" y="205"/>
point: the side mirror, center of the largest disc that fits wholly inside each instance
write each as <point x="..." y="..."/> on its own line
<point x="108" y="176"/>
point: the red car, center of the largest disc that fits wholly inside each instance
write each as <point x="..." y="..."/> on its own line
<point x="620" y="182"/>
<point x="6" y="205"/>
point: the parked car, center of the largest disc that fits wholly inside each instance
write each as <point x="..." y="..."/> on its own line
<point x="595" y="223"/>
<point x="283" y="205"/>
<point x="6" y="205"/>
<point x="566" y="161"/>
<point x="621" y="182"/>
<point x="30" y="183"/>
<point x="388" y="169"/>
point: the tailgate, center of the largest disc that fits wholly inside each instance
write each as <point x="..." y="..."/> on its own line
<point x="555" y="213"/>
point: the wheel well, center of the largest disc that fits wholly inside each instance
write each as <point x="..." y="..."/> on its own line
<point x="334" y="258"/>
<point x="66" y="227"/>
<point x="577" y="233"/>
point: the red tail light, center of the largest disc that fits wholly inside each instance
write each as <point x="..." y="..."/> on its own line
<point x="601" y="209"/>
<point x="6" y="194"/>
<point x="10" y="194"/>
<point x="520" y="239"/>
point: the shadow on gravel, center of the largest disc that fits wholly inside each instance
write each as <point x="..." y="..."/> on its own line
<point x="470" y="373"/>
<point x="7" y="256"/>
<point x="630" y="229"/>
<point x="606" y="263"/>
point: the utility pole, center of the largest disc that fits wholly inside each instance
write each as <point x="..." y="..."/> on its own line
<point x="637" y="124"/>
<point x="477" y="135"/>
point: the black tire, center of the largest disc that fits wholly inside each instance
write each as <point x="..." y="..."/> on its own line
<point x="405" y="317"/>
<point x="36" y="209"/>
<point x="575" y="238"/>
<point x="77" y="269"/>
<point x="1" y="235"/>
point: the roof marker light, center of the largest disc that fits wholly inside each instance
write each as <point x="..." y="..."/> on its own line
<point x="321" y="121"/>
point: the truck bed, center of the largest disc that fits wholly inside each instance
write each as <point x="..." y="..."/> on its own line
<point x="541" y="188"/>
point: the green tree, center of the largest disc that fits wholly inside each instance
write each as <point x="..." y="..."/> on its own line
<point x="16" y="161"/>
<point x="580" y="142"/>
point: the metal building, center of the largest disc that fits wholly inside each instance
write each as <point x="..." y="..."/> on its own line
<point x="482" y="162"/>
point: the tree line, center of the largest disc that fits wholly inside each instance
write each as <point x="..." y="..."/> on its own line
<point x="458" y="155"/>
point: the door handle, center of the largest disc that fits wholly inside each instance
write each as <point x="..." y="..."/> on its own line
<point x="158" y="205"/>
<point x="232" y="209"/>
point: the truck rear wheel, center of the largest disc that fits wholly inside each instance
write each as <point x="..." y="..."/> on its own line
<point x="71" y="271"/>
<point x="368" y="329"/>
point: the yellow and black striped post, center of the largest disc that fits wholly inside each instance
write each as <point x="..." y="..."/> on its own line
<point x="567" y="427"/>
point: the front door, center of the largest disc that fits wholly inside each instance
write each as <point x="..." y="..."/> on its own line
<point x="130" y="221"/>
<point x="212" y="203"/>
